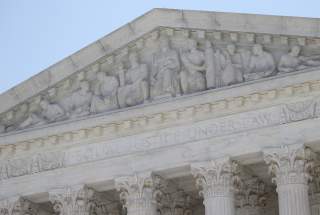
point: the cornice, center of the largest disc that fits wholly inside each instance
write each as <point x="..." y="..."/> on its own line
<point x="306" y="91"/>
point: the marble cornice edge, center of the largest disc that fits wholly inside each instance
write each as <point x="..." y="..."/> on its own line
<point x="160" y="120"/>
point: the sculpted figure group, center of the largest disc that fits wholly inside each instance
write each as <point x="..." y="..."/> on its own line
<point x="171" y="72"/>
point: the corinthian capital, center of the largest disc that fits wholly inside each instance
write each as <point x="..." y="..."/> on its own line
<point x="289" y="164"/>
<point x="73" y="200"/>
<point x="18" y="206"/>
<point x="216" y="177"/>
<point x="315" y="184"/>
<point x="138" y="188"/>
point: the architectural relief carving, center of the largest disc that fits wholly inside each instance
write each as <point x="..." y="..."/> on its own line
<point x="79" y="103"/>
<point x="49" y="113"/>
<point x="136" y="87"/>
<point x="294" y="62"/>
<point x="73" y="200"/>
<point x="166" y="68"/>
<point x="172" y="69"/>
<point x="193" y="73"/>
<point x="251" y="197"/>
<point x="261" y="64"/>
<point x="18" y="206"/>
<point x="314" y="192"/>
<point x="300" y="110"/>
<point x="105" y="94"/>
<point x="176" y="203"/>
<point x="291" y="165"/>
<point x="217" y="180"/>
<point x="139" y="193"/>
<point x="229" y="66"/>
<point x="179" y="139"/>
<point x="51" y="160"/>
<point x="30" y="165"/>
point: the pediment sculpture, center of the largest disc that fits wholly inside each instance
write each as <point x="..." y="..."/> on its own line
<point x="170" y="65"/>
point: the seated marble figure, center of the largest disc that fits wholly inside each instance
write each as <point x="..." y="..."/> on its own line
<point x="193" y="73"/>
<point x="134" y="89"/>
<point x="49" y="113"/>
<point x="229" y="65"/>
<point x="165" y="72"/>
<point x="292" y="61"/>
<point x="79" y="102"/>
<point x="261" y="64"/>
<point x="105" y="93"/>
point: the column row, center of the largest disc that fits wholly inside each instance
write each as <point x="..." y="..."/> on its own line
<point x="219" y="182"/>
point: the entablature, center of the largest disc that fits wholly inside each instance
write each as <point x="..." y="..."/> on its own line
<point x="167" y="61"/>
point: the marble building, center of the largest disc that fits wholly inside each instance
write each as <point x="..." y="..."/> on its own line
<point x="176" y="113"/>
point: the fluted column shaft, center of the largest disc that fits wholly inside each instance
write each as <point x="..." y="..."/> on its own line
<point x="142" y="205"/>
<point x="215" y="179"/>
<point x="293" y="199"/>
<point x="138" y="192"/>
<point x="219" y="205"/>
<point x="289" y="166"/>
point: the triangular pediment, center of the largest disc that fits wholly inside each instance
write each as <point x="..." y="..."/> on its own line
<point x="161" y="55"/>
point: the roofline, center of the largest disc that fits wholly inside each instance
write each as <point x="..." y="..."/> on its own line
<point x="269" y="24"/>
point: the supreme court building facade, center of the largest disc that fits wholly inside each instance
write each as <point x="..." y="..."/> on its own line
<point x="176" y="113"/>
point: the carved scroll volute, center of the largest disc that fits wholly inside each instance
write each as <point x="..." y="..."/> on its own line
<point x="289" y="164"/>
<point x="216" y="178"/>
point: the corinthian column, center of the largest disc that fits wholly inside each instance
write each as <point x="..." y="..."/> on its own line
<point x="139" y="193"/>
<point x="215" y="179"/>
<point x="289" y="166"/>
<point x="314" y="193"/>
<point x="76" y="200"/>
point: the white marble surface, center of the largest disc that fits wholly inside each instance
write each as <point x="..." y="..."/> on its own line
<point x="84" y="159"/>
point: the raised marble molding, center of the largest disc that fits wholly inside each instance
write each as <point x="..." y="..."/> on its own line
<point x="198" y="112"/>
<point x="168" y="62"/>
<point x="44" y="161"/>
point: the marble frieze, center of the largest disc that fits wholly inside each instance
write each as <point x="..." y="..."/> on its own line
<point x="242" y="122"/>
<point x="165" y="63"/>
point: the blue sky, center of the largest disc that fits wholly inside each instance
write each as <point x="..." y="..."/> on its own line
<point x="35" y="34"/>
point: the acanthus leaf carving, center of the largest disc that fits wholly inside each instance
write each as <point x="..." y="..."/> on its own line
<point x="73" y="200"/>
<point x="300" y="110"/>
<point x="139" y="193"/>
<point x="216" y="178"/>
<point x="289" y="164"/>
<point x="252" y="195"/>
<point x="18" y="206"/>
